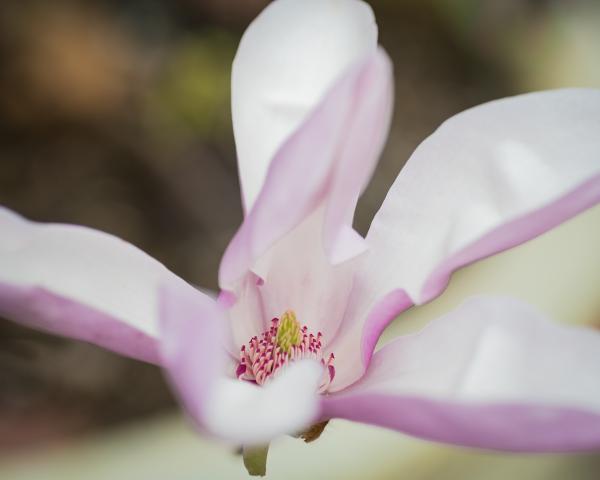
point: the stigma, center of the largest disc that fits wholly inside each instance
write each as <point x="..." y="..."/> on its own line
<point x="286" y="341"/>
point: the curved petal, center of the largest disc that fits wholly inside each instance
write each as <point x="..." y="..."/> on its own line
<point x="289" y="56"/>
<point x="298" y="276"/>
<point x="494" y="373"/>
<point x="80" y="283"/>
<point x="488" y="179"/>
<point x="320" y="165"/>
<point x="192" y="332"/>
<point x="246" y="313"/>
<point x="307" y="205"/>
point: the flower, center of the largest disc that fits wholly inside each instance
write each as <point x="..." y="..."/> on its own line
<point x="290" y="341"/>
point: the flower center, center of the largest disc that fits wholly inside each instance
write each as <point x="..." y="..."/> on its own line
<point x="284" y="342"/>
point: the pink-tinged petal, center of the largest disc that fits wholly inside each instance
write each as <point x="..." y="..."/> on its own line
<point x="80" y="283"/>
<point x="515" y="232"/>
<point x="307" y="205"/>
<point x="289" y="56"/>
<point x="319" y="165"/>
<point x="42" y="309"/>
<point x="192" y="327"/>
<point x="358" y="336"/>
<point x="488" y="179"/>
<point x="494" y="373"/>
<point x="192" y="335"/>
<point x="298" y="276"/>
<point x="246" y="313"/>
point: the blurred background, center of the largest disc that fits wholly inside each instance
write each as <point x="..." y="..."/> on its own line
<point x="115" y="115"/>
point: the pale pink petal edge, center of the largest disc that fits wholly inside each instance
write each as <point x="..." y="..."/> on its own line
<point x="506" y="236"/>
<point x="35" y="307"/>
<point x="306" y="186"/>
<point x="563" y="430"/>
<point x="515" y="232"/>
<point x="476" y="377"/>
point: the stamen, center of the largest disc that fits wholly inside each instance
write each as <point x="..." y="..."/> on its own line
<point x="284" y="342"/>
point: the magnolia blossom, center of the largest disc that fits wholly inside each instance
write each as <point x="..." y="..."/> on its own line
<point x="290" y="341"/>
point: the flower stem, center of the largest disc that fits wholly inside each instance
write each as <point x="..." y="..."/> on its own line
<point x="255" y="459"/>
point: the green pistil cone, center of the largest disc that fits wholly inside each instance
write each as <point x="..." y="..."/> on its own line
<point x="288" y="333"/>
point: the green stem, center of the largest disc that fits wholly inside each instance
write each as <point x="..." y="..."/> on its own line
<point x="255" y="459"/>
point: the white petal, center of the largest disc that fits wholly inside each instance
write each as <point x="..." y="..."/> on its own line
<point x="241" y="412"/>
<point x="287" y="59"/>
<point x="82" y="283"/>
<point x="494" y="373"/>
<point x="489" y="178"/>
